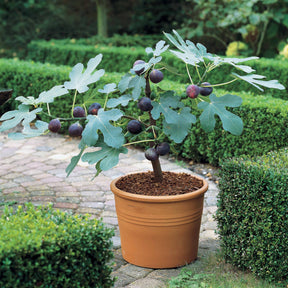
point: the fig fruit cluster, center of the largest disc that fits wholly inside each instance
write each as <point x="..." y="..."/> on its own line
<point x="161" y="149"/>
<point x="193" y="91"/>
<point x="75" y="129"/>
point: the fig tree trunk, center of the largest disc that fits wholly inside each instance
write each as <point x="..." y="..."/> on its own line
<point x="102" y="11"/>
<point x="156" y="163"/>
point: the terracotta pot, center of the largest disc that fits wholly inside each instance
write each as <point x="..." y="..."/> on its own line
<point x="159" y="231"/>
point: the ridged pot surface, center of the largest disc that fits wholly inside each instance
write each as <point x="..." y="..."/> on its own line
<point x="159" y="231"/>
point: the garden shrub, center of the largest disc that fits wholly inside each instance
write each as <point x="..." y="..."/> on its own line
<point x="116" y="59"/>
<point x="265" y="129"/>
<point x="252" y="213"/>
<point x="265" y="118"/>
<point x="117" y="40"/>
<point x="120" y="59"/>
<point x="42" y="247"/>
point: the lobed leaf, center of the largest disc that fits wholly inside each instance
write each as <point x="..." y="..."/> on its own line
<point x="13" y="118"/>
<point x="48" y="96"/>
<point x="29" y="100"/>
<point x="159" y="48"/>
<point x="253" y="80"/>
<point x="191" y="53"/>
<point x="234" y="61"/>
<point x="28" y="132"/>
<point x="75" y="159"/>
<point x="167" y="100"/>
<point x="44" y="97"/>
<point x="230" y="121"/>
<point x="123" y="100"/>
<point x="112" y="135"/>
<point x="124" y="82"/>
<point x="108" y="88"/>
<point x="80" y="80"/>
<point x="105" y="158"/>
<point x="180" y="127"/>
<point x="137" y="83"/>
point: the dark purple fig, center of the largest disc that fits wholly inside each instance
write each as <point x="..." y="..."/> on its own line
<point x="151" y="154"/>
<point x="205" y="91"/>
<point x="144" y="104"/>
<point x="79" y="112"/>
<point x="163" y="148"/>
<point x="75" y="130"/>
<point x="137" y="62"/>
<point x="156" y="76"/>
<point x="134" y="127"/>
<point x="93" y="108"/>
<point x="192" y="91"/>
<point x="54" y="125"/>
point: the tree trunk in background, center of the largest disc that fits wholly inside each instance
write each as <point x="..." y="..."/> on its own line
<point x="102" y="11"/>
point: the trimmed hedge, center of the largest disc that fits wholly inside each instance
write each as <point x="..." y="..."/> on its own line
<point x="115" y="59"/>
<point x="116" y="40"/>
<point x="252" y="214"/>
<point x="121" y="59"/>
<point x="42" y="247"/>
<point x="265" y="119"/>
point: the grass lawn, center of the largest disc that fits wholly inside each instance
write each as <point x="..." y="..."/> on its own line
<point x="211" y="271"/>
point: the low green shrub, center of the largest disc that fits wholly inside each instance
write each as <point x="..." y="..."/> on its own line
<point x="117" y="40"/>
<point x="116" y="59"/>
<point x="265" y="129"/>
<point x="120" y="59"/>
<point x="265" y="118"/>
<point x="252" y="214"/>
<point x="42" y="247"/>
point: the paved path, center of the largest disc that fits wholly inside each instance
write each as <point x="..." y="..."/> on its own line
<point x="34" y="170"/>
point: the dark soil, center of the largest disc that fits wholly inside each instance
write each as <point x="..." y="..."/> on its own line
<point x="172" y="184"/>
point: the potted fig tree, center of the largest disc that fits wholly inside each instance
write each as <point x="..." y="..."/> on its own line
<point x="159" y="213"/>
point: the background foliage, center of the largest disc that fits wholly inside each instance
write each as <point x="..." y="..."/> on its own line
<point x="215" y="23"/>
<point x="259" y="23"/>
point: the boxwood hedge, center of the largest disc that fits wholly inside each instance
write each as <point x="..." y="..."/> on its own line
<point x="116" y="40"/>
<point x="42" y="247"/>
<point x="120" y="59"/>
<point x="252" y="214"/>
<point x="265" y="118"/>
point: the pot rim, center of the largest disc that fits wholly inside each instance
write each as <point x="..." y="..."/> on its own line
<point x="169" y="198"/>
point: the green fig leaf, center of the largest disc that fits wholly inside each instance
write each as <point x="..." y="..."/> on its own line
<point x="234" y="61"/>
<point x="137" y="83"/>
<point x="48" y="96"/>
<point x="28" y="132"/>
<point x="44" y="97"/>
<point x="75" y="159"/>
<point x="108" y="88"/>
<point x="124" y="82"/>
<point x="167" y="101"/>
<point x="159" y="48"/>
<point x="253" y="79"/>
<point x="231" y="122"/>
<point x="112" y="135"/>
<point x="29" y="100"/>
<point x="12" y="118"/>
<point x="190" y="53"/>
<point x="105" y="158"/>
<point x="180" y="127"/>
<point x="123" y="100"/>
<point x="80" y="80"/>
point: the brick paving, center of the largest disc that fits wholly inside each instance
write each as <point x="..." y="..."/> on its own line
<point x="34" y="170"/>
